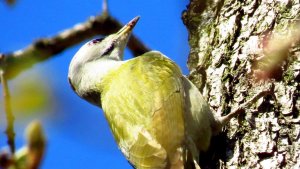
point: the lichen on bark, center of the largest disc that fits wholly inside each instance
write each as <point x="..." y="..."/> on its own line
<point x="229" y="61"/>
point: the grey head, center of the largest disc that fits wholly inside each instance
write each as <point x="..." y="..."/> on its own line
<point x="95" y="59"/>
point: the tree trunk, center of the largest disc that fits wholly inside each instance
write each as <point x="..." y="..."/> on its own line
<point x="239" y="48"/>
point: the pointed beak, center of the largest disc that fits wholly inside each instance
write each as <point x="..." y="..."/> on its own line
<point x="126" y="30"/>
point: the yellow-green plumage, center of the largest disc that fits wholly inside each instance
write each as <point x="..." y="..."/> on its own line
<point x="158" y="117"/>
<point x="147" y="110"/>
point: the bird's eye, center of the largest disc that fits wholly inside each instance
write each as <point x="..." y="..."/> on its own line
<point x="95" y="41"/>
<point x="109" y="49"/>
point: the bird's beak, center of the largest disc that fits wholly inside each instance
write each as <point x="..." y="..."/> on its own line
<point x="120" y="39"/>
<point x="126" y="30"/>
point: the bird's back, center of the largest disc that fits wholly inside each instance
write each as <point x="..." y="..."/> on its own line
<point x="143" y="101"/>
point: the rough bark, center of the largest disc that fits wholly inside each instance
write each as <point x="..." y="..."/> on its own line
<point x="232" y="58"/>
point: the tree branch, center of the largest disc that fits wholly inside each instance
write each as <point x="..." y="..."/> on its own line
<point x="43" y="49"/>
<point x="9" y="115"/>
<point x="10" y="2"/>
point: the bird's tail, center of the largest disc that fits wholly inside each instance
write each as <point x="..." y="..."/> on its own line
<point x="183" y="159"/>
<point x="177" y="160"/>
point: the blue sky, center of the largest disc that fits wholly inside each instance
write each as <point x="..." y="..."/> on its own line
<point x="77" y="133"/>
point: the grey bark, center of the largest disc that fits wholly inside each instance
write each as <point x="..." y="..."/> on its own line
<point x="231" y="60"/>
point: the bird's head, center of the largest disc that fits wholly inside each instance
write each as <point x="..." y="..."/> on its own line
<point x="95" y="57"/>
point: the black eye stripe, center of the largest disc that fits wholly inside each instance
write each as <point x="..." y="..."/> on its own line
<point x="95" y="41"/>
<point x="110" y="49"/>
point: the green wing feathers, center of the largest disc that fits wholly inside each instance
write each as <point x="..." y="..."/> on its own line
<point x="143" y="102"/>
<point x="146" y="152"/>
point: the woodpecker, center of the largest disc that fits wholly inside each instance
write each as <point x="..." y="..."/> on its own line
<point x="158" y="117"/>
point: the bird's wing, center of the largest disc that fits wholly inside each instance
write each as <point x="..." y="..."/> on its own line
<point x="143" y="101"/>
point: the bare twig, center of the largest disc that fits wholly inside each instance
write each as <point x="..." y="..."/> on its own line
<point x="9" y="115"/>
<point x="43" y="49"/>
<point x="10" y="2"/>
<point x="104" y="7"/>
<point x="222" y="121"/>
<point x="225" y="119"/>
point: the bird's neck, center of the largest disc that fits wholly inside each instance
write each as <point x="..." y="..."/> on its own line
<point x="98" y="69"/>
<point x="93" y="73"/>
